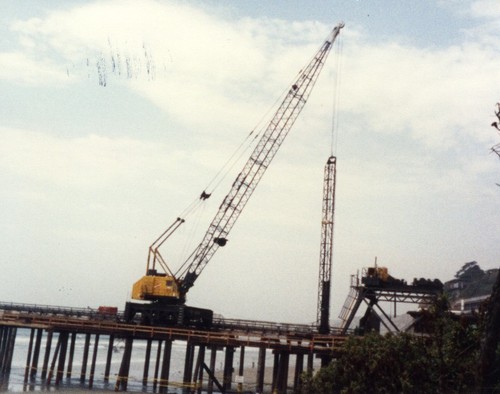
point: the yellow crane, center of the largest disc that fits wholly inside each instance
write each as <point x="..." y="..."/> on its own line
<point x="166" y="290"/>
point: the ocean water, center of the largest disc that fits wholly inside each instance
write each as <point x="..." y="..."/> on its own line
<point x="15" y="382"/>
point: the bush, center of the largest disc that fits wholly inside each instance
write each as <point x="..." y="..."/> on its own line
<point x="442" y="362"/>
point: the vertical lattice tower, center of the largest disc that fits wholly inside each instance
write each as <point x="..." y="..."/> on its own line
<point x="326" y="247"/>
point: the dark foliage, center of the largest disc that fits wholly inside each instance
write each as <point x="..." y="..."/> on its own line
<point x="470" y="272"/>
<point x="489" y="363"/>
<point x="443" y="362"/>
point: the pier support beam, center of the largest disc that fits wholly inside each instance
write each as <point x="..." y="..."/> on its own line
<point x="109" y="355"/>
<point x="276" y="363"/>
<point x="94" y="359"/>
<point x="46" y="357"/>
<point x="198" y="370"/>
<point x="283" y="375"/>
<point x="310" y="361"/>
<point x="147" y="358"/>
<point x="213" y="357"/>
<point x="28" y="357"/>
<point x="165" y="366"/>
<point x="241" y="369"/>
<point x="85" y="358"/>
<point x="7" y="341"/>
<point x="280" y="372"/>
<point x="261" y="368"/>
<point x="53" y="363"/>
<point x="299" y="368"/>
<point x="157" y="365"/>
<point x="122" y="380"/>
<point x="228" y="368"/>
<point x="63" y="339"/>
<point x="36" y="354"/>
<point x="71" y="355"/>
<point x="188" y="365"/>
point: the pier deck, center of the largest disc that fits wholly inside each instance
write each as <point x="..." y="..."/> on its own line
<point x="283" y="341"/>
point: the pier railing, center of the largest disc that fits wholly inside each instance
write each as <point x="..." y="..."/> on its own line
<point x="287" y="342"/>
<point x="219" y="322"/>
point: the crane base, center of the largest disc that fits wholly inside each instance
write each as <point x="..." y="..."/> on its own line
<point x="163" y="314"/>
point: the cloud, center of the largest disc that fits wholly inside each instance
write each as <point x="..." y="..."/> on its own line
<point x="438" y="96"/>
<point x="204" y="66"/>
<point x="20" y="67"/>
<point x="82" y="162"/>
<point x="413" y="166"/>
<point x="489" y="9"/>
<point x="209" y="69"/>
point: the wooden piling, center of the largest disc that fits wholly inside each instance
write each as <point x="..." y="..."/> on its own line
<point x="71" y="355"/>
<point x="261" y="368"/>
<point x="46" y="358"/>
<point x="299" y="368"/>
<point x="147" y="357"/>
<point x="85" y="358"/>
<point x="8" y="339"/>
<point x="188" y="364"/>
<point x="310" y="360"/>
<point x="276" y="363"/>
<point x="63" y="339"/>
<point x="284" y="361"/>
<point x="53" y="363"/>
<point x="3" y="330"/>
<point x="198" y="370"/>
<point x="4" y="334"/>
<point x="10" y="350"/>
<point x="122" y="379"/>
<point x="94" y="359"/>
<point x="228" y="368"/>
<point x="241" y="369"/>
<point x="213" y="356"/>
<point x="36" y="354"/>
<point x="28" y="357"/>
<point x="157" y="365"/>
<point x="109" y="356"/>
<point x="165" y="366"/>
<point x="3" y="341"/>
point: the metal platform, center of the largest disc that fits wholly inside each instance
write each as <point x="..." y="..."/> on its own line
<point x="422" y="293"/>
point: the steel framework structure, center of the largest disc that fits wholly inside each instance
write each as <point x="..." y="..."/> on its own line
<point x="372" y="295"/>
<point x="326" y="246"/>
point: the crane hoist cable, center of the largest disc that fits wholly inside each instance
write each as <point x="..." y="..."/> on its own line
<point x="336" y="97"/>
<point x="249" y="141"/>
<point x="197" y="214"/>
<point x="193" y="209"/>
<point x="231" y="162"/>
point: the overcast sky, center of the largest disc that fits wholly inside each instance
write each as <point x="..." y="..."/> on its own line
<point x="116" y="115"/>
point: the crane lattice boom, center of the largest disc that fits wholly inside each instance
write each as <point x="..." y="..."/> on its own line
<point x="254" y="169"/>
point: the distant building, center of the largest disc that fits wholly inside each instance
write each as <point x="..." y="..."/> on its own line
<point x="470" y="288"/>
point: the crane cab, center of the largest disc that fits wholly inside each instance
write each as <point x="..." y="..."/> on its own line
<point x="154" y="286"/>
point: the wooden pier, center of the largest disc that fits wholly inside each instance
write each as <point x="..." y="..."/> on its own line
<point x="57" y="336"/>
